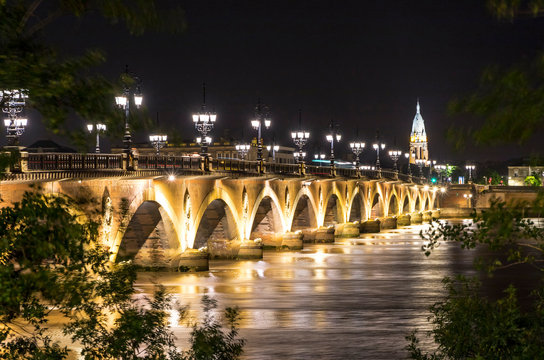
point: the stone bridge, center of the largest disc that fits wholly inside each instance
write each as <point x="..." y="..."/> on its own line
<point x="165" y="221"/>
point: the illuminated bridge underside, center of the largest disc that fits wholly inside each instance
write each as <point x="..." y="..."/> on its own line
<point x="154" y="221"/>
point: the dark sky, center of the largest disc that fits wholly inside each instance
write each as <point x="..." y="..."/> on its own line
<point x="362" y="63"/>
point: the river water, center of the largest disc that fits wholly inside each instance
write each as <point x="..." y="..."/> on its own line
<point x="355" y="299"/>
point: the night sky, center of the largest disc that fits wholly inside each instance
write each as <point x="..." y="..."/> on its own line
<point x="361" y="63"/>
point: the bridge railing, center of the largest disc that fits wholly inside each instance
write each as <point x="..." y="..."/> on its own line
<point x="168" y="162"/>
<point x="64" y="161"/>
<point x="278" y="168"/>
<point x="235" y="165"/>
<point x="42" y="163"/>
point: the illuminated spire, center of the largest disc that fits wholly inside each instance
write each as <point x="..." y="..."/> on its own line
<point x="418" y="127"/>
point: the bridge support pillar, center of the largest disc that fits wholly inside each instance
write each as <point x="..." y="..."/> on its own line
<point x="347" y="230"/>
<point x="193" y="260"/>
<point x="225" y="249"/>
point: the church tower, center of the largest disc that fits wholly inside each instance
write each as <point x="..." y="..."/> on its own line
<point x="418" y="139"/>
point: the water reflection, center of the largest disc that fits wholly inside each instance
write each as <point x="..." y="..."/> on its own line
<point x="354" y="299"/>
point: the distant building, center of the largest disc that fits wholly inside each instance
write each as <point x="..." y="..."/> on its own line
<point x="418" y="139"/>
<point x="48" y="146"/>
<point x="517" y="174"/>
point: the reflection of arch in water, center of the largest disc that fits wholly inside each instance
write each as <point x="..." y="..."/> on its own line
<point x="393" y="207"/>
<point x="357" y="209"/>
<point x="217" y="223"/>
<point x="266" y="218"/>
<point x="333" y="213"/>
<point x="304" y="213"/>
<point x="150" y="238"/>
<point x="376" y="206"/>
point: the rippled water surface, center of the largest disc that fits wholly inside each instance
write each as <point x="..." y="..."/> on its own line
<point x="355" y="299"/>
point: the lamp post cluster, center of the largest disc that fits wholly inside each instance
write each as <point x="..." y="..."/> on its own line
<point x="98" y="128"/>
<point x="243" y="149"/>
<point x="300" y="138"/>
<point x="470" y="168"/>
<point x="332" y="137"/>
<point x="13" y="103"/>
<point x="357" y="148"/>
<point x="158" y="142"/>
<point x="204" y="121"/>
<point x="123" y="101"/>
<point x="262" y="117"/>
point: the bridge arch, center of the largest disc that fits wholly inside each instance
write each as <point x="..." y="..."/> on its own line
<point x="150" y="238"/>
<point x="266" y="215"/>
<point x="333" y="209"/>
<point x="222" y="214"/>
<point x="417" y="203"/>
<point x="356" y="209"/>
<point x="406" y="204"/>
<point x="393" y="206"/>
<point x="376" y="205"/>
<point x="304" y="212"/>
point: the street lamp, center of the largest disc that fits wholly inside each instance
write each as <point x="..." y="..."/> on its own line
<point x="300" y="155"/>
<point x="332" y="137"/>
<point x="357" y="148"/>
<point x="274" y="149"/>
<point x="13" y="103"/>
<point x="243" y="149"/>
<point x="300" y="137"/>
<point x="470" y="168"/>
<point x="377" y="147"/>
<point x="99" y="128"/>
<point x="407" y="156"/>
<point x="395" y="154"/>
<point x="262" y="115"/>
<point x="204" y="121"/>
<point x="469" y="199"/>
<point x="158" y="142"/>
<point x="123" y="101"/>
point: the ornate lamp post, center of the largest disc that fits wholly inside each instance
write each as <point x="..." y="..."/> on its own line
<point x="274" y="148"/>
<point x="407" y="156"/>
<point x="158" y="142"/>
<point x="470" y="168"/>
<point x="394" y="155"/>
<point x="332" y="137"/>
<point x="204" y="121"/>
<point x="123" y="101"/>
<point x="300" y="156"/>
<point x="243" y="149"/>
<point x="377" y="146"/>
<point x="469" y="199"/>
<point x="262" y="115"/>
<point x="357" y="148"/>
<point x="300" y="138"/>
<point x="98" y="128"/>
<point x="13" y="103"/>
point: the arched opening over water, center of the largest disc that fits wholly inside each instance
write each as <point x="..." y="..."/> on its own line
<point x="376" y="210"/>
<point x="267" y="219"/>
<point x="217" y="223"/>
<point x="304" y="216"/>
<point x="357" y="212"/>
<point x="427" y="205"/>
<point x="150" y="238"/>
<point x="333" y="211"/>
<point x="406" y="205"/>
<point x="393" y="206"/>
<point x="417" y="207"/>
<point x="435" y="206"/>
